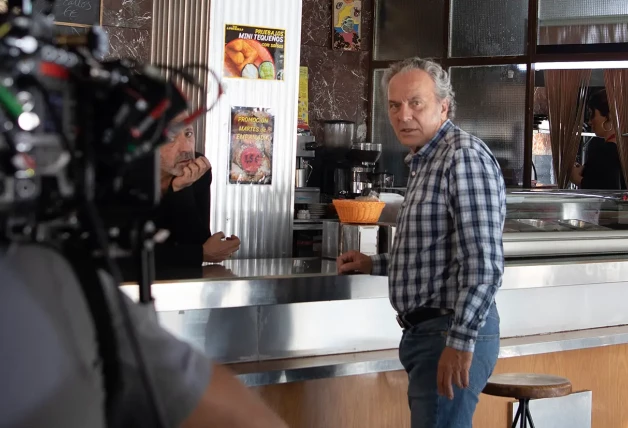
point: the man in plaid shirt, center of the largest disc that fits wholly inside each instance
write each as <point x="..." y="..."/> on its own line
<point x="447" y="260"/>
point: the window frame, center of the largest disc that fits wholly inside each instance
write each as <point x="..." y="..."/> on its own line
<point x="533" y="54"/>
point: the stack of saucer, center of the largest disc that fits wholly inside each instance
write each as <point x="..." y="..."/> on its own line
<point x="317" y="210"/>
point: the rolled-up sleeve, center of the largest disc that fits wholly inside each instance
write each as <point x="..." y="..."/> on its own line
<point x="477" y="205"/>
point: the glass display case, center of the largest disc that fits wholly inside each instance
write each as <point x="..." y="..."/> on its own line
<point x="565" y="223"/>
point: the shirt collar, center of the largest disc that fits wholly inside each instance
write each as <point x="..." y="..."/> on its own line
<point x="428" y="150"/>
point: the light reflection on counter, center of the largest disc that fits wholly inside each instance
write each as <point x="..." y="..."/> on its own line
<point x="265" y="268"/>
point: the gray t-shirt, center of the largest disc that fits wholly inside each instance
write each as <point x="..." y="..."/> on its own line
<point x="49" y="365"/>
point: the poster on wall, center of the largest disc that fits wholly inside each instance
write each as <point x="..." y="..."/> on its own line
<point x="346" y="25"/>
<point x="303" y="120"/>
<point x="251" y="145"/>
<point x="254" y="52"/>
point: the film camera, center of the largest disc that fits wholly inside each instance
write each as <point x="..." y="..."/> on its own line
<point x="78" y="159"/>
<point x="78" y="136"/>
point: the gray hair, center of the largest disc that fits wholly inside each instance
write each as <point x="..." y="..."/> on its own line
<point x="442" y="81"/>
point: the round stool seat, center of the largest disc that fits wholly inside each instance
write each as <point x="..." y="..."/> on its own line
<point x="527" y="385"/>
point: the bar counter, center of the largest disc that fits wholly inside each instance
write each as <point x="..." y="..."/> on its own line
<point x="311" y="341"/>
<point x="240" y="283"/>
<point x="297" y="319"/>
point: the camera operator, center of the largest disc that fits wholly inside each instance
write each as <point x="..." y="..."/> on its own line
<point x="185" y="207"/>
<point x="51" y="370"/>
<point x="75" y="351"/>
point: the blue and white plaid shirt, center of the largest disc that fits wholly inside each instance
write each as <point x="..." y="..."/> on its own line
<point x="448" y="249"/>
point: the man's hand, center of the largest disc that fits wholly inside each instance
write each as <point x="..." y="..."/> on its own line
<point x="192" y="172"/>
<point x="453" y="369"/>
<point x="576" y="174"/>
<point x="352" y="261"/>
<point x="218" y="248"/>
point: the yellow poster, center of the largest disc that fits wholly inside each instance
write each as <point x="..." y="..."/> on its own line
<point x="303" y="98"/>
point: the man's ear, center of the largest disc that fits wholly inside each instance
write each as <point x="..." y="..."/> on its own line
<point x="444" y="108"/>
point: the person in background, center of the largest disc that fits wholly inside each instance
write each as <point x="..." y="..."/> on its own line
<point x="185" y="207"/>
<point x="602" y="168"/>
<point x="447" y="261"/>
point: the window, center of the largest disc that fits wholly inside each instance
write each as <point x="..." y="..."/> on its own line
<point x="488" y="28"/>
<point x="491" y="105"/>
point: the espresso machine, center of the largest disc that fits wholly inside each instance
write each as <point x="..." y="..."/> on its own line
<point x="345" y="167"/>
<point x="306" y="152"/>
<point x="363" y="159"/>
<point x="307" y="228"/>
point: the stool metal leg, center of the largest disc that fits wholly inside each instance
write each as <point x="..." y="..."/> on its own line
<point x="523" y="415"/>
<point x="528" y="415"/>
<point x="518" y="415"/>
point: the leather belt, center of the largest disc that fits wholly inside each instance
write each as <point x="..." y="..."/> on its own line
<point x="420" y="315"/>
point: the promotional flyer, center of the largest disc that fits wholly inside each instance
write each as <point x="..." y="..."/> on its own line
<point x="254" y="52"/>
<point x="251" y="151"/>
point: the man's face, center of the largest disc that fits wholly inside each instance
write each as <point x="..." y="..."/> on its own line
<point x="414" y="111"/>
<point x="178" y="151"/>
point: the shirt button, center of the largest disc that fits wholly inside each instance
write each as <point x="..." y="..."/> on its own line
<point x="403" y="204"/>
<point x="413" y="173"/>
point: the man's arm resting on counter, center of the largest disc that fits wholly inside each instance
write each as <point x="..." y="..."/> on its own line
<point x="380" y="264"/>
<point x="228" y="403"/>
<point x="476" y="203"/>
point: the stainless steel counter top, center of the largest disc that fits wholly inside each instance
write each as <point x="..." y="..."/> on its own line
<point x="241" y="283"/>
<point x="266" y="268"/>
<point x="303" y="369"/>
<point x="287" y="309"/>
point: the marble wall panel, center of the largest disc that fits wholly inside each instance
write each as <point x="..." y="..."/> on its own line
<point x="338" y="80"/>
<point x="129" y="26"/>
<point x="129" y="43"/>
<point x="128" y="13"/>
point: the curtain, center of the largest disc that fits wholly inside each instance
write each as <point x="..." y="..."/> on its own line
<point x="566" y="97"/>
<point x="616" y="82"/>
<point x="583" y="34"/>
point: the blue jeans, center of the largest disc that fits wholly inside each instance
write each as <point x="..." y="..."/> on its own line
<point x="419" y="352"/>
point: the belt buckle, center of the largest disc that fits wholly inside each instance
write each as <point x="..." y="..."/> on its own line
<point x="400" y="322"/>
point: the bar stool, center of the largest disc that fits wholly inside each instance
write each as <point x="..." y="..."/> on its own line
<point x="526" y="386"/>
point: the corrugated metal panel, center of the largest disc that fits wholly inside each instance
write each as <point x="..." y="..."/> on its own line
<point x="261" y="215"/>
<point x="180" y="37"/>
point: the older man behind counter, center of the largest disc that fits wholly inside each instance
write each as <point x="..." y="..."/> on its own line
<point x="447" y="261"/>
<point x="185" y="208"/>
